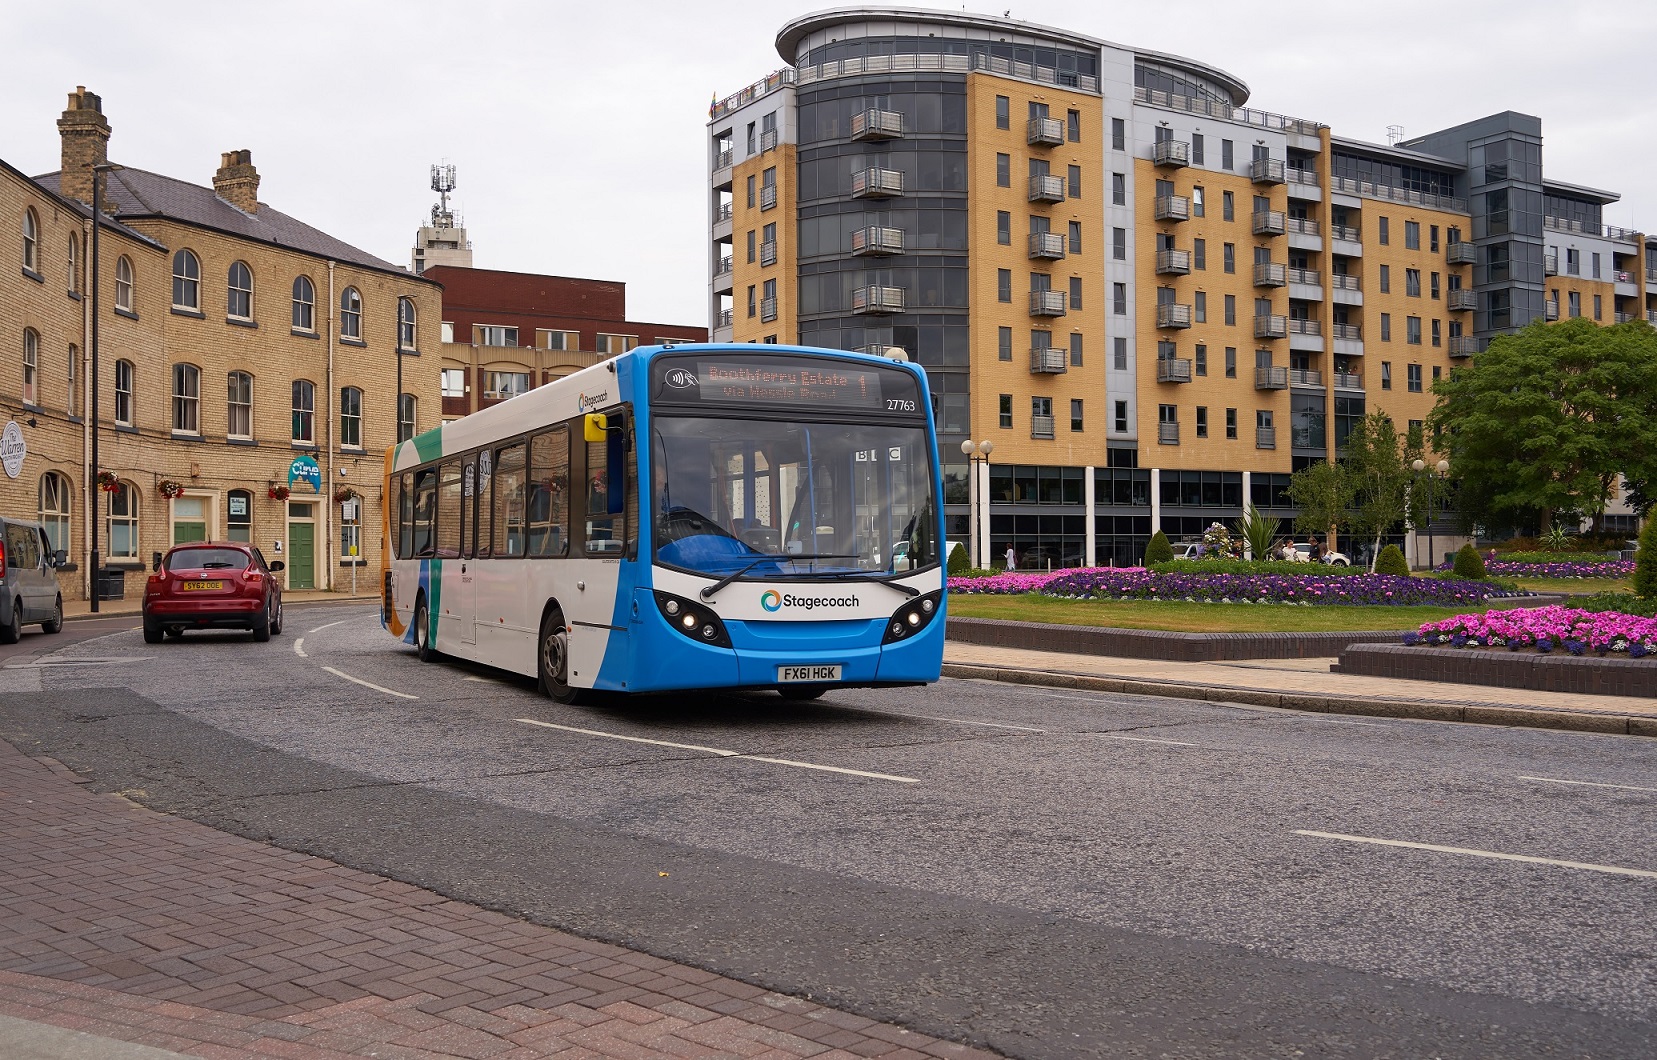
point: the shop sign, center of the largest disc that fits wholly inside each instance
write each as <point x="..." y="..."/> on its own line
<point x="12" y="449"/>
<point x="305" y="469"/>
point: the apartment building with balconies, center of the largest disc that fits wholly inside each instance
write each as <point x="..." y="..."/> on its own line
<point x="1157" y="301"/>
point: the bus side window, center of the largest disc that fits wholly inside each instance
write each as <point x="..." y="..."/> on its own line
<point x="549" y="511"/>
<point x="448" y="510"/>
<point x="485" y="505"/>
<point x="468" y="507"/>
<point x="425" y="508"/>
<point x="404" y="535"/>
<point x="509" y="501"/>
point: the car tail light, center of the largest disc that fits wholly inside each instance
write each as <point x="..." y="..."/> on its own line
<point x="2" y="561"/>
<point x="251" y="574"/>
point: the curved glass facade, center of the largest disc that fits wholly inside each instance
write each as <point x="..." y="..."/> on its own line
<point x="1063" y="60"/>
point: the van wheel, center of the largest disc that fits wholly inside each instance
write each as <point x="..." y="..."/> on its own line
<point x="422" y="633"/>
<point x="553" y="666"/>
<point x="12" y="632"/>
<point x="55" y="623"/>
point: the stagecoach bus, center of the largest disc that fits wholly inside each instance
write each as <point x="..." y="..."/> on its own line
<point x="680" y="517"/>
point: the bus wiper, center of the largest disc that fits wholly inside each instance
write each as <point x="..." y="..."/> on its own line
<point x="707" y="594"/>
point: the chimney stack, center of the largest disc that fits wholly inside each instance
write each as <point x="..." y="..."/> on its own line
<point x="85" y="136"/>
<point x="237" y="182"/>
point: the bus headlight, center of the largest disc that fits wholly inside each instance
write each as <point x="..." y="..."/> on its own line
<point x="692" y="619"/>
<point x="912" y="617"/>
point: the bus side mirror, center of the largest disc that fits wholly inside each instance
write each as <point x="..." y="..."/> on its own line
<point x="595" y="427"/>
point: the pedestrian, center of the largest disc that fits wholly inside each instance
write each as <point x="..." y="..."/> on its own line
<point x="1317" y="550"/>
<point x="1012" y="558"/>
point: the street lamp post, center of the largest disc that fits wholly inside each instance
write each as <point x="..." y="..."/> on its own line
<point x="98" y="170"/>
<point x="976" y="453"/>
<point x="1442" y="471"/>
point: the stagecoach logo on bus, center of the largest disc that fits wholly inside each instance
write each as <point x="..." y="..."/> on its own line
<point x="772" y="601"/>
<point x="589" y="402"/>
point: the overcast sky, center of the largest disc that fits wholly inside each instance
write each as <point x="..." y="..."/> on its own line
<point x="579" y="128"/>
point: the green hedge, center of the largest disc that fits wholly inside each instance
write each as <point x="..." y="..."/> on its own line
<point x="1392" y="561"/>
<point x="1158" y="550"/>
<point x="1645" y="560"/>
<point x="1469" y="564"/>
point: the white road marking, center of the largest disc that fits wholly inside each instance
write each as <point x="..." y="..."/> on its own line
<point x="52" y="663"/>
<point x="964" y="721"/>
<point x="1143" y="739"/>
<point x="330" y="625"/>
<point x="1617" y="870"/>
<point x="719" y="751"/>
<point x="1587" y="784"/>
<point x="369" y="684"/>
<point x="299" y="648"/>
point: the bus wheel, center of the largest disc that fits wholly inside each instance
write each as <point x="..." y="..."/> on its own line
<point x="554" y="661"/>
<point x="423" y="634"/>
<point x="801" y="693"/>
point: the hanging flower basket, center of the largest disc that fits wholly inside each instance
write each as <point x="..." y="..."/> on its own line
<point x="345" y="493"/>
<point x="170" y="489"/>
<point x="108" y="482"/>
<point x="279" y="493"/>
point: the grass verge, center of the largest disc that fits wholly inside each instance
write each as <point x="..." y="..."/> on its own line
<point x="1575" y="585"/>
<point x="1181" y="616"/>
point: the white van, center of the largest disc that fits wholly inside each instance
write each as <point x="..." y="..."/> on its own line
<point x="900" y="554"/>
<point x="28" y="580"/>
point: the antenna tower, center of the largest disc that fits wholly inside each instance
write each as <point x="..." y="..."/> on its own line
<point x="443" y="182"/>
<point x="1395" y="133"/>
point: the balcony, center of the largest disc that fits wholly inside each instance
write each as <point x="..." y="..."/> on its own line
<point x="767" y="140"/>
<point x="724" y="319"/>
<point x="877" y="240"/>
<point x="1463" y="345"/>
<point x="1049" y="245"/>
<point x="1049" y="360"/>
<point x="1305" y="377"/>
<point x="1041" y="426"/>
<point x="1550" y="309"/>
<point x="1461" y="299"/>
<point x="723" y="268"/>
<point x="1265" y="437"/>
<point x="877" y="125"/>
<point x="1622" y="276"/>
<point x="1308" y="277"/>
<point x="877" y="300"/>
<point x="1349" y="381"/>
<point x="1651" y="316"/>
<point x="1350" y="233"/>
<point x="1354" y="332"/>
<point x="1044" y="132"/>
<point x="1173" y="208"/>
<point x="1173" y="262"/>
<point x="768" y="197"/>
<point x="876" y="183"/>
<point x="1174" y="153"/>
<point x="722" y="212"/>
<point x="1269" y="222"/>
<point x="1270" y="274"/>
<point x="768" y="253"/>
<point x="1550" y="263"/>
<point x="1461" y="254"/>
<point x="767" y="310"/>
<point x="1267" y="377"/>
<point x="1268" y="326"/>
<point x="1623" y="318"/>
<point x="1267" y="171"/>
<point x="1173" y="369"/>
<point x="723" y="159"/>
<point x="1651" y="276"/>
<point x="1167" y="433"/>
<point x="1046" y="189"/>
<point x="1047" y="303"/>
<point x="1173" y="315"/>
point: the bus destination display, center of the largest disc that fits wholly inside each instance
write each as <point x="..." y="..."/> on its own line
<point x="749" y="383"/>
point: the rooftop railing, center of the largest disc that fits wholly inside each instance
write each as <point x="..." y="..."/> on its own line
<point x="1260" y="119"/>
<point x="1367" y="189"/>
<point x="737" y="100"/>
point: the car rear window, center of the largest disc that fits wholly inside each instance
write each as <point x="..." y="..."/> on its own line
<point x="208" y="559"/>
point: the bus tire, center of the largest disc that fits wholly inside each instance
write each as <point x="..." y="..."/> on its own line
<point x="801" y="693"/>
<point x="553" y="661"/>
<point x="422" y="632"/>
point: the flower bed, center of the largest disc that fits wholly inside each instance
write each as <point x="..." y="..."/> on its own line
<point x="1609" y="569"/>
<point x="1543" y="629"/>
<point x="1105" y="583"/>
<point x="1011" y="583"/>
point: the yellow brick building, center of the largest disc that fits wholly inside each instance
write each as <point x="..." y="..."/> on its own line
<point x="235" y="345"/>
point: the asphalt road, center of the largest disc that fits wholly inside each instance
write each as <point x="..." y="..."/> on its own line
<point x="1049" y="873"/>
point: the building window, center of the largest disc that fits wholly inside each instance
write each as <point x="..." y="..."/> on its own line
<point x="1118" y="134"/>
<point x="350" y="314"/>
<point x="1386" y="327"/>
<point x="1075" y="182"/>
<point x="1412" y="330"/>
<point x="752" y="243"/>
<point x="1437" y="341"/>
<point x="1231" y="423"/>
<point x="186" y="399"/>
<point x="123" y="393"/>
<point x="1597" y="307"/>
<point x="1381" y="231"/>
<point x="74" y="368"/>
<point x="406" y="330"/>
<point x="1003" y="112"/>
<point x="1196" y="149"/>
<point x="31" y="367"/>
<point x="1004" y="343"/>
<point x="1231" y="362"/>
<point x="186" y="281"/>
<point x="1076" y="414"/>
<point x="304" y="411"/>
<point x="1004" y="228"/>
<point x="1119" y="299"/>
<point x="1412" y="283"/>
<point x="123" y="521"/>
<point x="1075" y="349"/>
<point x="1433" y="238"/>
<point x="1121" y="424"/>
<point x="1412" y="235"/>
<point x="75" y="247"/>
<point x="750" y="191"/>
<point x="1075" y="292"/>
<point x="350" y="417"/>
<point x="1119" y="244"/>
<point x="1202" y="421"/>
<point x="1199" y="255"/>
<point x="240" y="405"/>
<point x="123" y="283"/>
<point x="56" y="496"/>
<point x="1198" y="208"/>
<point x="238" y="515"/>
<point x="1573" y="261"/>
<point x="446" y="331"/>
<point x="1386" y="279"/>
<point x="611" y="345"/>
<point x="1075" y="237"/>
<point x="753" y="299"/>
<point x="1005" y="408"/>
<point x="405" y="417"/>
<point x="1412" y="375"/>
<point x="1073" y="126"/>
<point x="1119" y="353"/>
<point x="1228" y="206"/>
<point x="1595" y="257"/>
<point x="453" y="381"/>
<point x="1199" y="307"/>
<point x="496" y="335"/>
<point x="1003" y="170"/>
<point x="1230" y="251"/>
<point x="1202" y="354"/>
<point x="1227" y="151"/>
<point x="1231" y="310"/>
<point x="506" y="384"/>
<point x="1118" y="189"/>
<point x="1574" y="300"/>
<point x="239" y="301"/>
<point x="1004" y="285"/>
<point x="31" y="241"/>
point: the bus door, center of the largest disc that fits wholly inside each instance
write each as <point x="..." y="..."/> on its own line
<point x="468" y="602"/>
<point x="608" y="522"/>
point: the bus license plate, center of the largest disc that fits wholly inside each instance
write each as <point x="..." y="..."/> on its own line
<point x="809" y="674"/>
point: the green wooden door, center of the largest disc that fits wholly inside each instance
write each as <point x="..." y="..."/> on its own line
<point x="301" y="555"/>
<point x="189" y="520"/>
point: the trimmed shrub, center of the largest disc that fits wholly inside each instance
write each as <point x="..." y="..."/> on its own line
<point x="1158" y="550"/>
<point x="1645" y="560"/>
<point x="958" y="561"/>
<point x="1469" y="564"/>
<point x="1392" y="561"/>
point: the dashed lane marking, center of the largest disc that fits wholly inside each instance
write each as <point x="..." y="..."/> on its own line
<point x="330" y="625"/>
<point x="1616" y="870"/>
<point x="721" y="752"/>
<point x="1143" y="739"/>
<point x="965" y="721"/>
<point x="299" y="648"/>
<point x="369" y="684"/>
<point x="1587" y="784"/>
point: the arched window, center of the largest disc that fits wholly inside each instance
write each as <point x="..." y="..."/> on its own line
<point x="74" y="263"/>
<point x="123" y="283"/>
<point x="123" y="521"/>
<point x="405" y="324"/>
<point x="123" y="393"/>
<point x="350" y="314"/>
<point x="240" y="300"/>
<point x="186" y="399"/>
<point x="304" y="304"/>
<point x="31" y="366"/>
<point x="350" y="417"/>
<point x="55" y="499"/>
<point x="405" y="417"/>
<point x="238" y="516"/>
<point x="240" y="420"/>
<point x="31" y="241"/>
<point x="304" y="411"/>
<point x="186" y="281"/>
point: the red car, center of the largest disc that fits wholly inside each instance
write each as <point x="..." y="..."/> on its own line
<point x="213" y="585"/>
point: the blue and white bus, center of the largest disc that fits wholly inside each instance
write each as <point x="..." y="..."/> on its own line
<point x="680" y="517"/>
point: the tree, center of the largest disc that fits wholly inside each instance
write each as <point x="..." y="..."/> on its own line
<point x="1158" y="550"/>
<point x="1376" y="465"/>
<point x="1545" y="419"/>
<point x="1259" y="531"/>
<point x="1391" y="561"/>
<point x="1469" y="564"/>
<point x="1323" y="493"/>
<point x="1645" y="561"/>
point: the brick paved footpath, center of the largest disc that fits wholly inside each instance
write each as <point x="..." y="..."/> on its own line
<point x="128" y="924"/>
